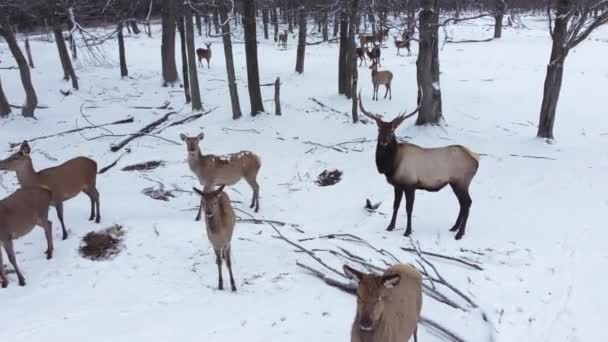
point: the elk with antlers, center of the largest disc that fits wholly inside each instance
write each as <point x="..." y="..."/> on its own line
<point x="409" y="167"/>
<point x="381" y="78"/>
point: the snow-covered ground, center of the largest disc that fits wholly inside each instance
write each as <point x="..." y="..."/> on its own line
<point x="537" y="226"/>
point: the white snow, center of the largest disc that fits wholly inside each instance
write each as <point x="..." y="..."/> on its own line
<point x="537" y="226"/>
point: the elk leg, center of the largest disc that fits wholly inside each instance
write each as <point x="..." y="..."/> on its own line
<point x="48" y="233"/>
<point x="208" y="67"/>
<point x="460" y="212"/>
<point x="218" y="261"/>
<point x="255" y="198"/>
<point x="229" y="264"/>
<point x="90" y="195"/>
<point x="387" y="87"/>
<point x="465" y="202"/>
<point x="416" y="334"/>
<point x="3" y="278"/>
<point x="409" y="206"/>
<point x="59" y="209"/>
<point x="10" y="251"/>
<point x="97" y="205"/>
<point x="396" y="205"/>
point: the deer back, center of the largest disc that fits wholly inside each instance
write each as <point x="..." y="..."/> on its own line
<point x="225" y="169"/>
<point x="382" y="77"/>
<point x="21" y="211"/>
<point x="70" y="178"/>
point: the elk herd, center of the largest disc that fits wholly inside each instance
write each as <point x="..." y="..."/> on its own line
<point x="388" y="305"/>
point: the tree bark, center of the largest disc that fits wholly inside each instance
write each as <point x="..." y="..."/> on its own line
<point x="277" y="96"/>
<point x="31" y="100"/>
<point x="336" y="24"/>
<point x="227" y="40"/>
<point x="498" y="17"/>
<point x="195" y="92"/>
<point x="184" y="53"/>
<point x="199" y="25"/>
<point x="124" y="72"/>
<point x="351" y="45"/>
<point x="355" y="75"/>
<point x="427" y="66"/>
<point x="265" y="21"/>
<point x="28" y="52"/>
<point x="555" y="71"/>
<point x="275" y="23"/>
<point x="64" y="56"/>
<point x="5" y="108"/>
<point x="301" y="52"/>
<point x="325" y="28"/>
<point x="216" y="21"/>
<point x="169" y="68"/>
<point x="251" y="55"/>
<point x="134" y="26"/>
<point x="342" y="80"/>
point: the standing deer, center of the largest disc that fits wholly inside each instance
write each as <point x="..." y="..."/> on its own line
<point x="388" y="305"/>
<point x="374" y="54"/>
<point x="364" y="39"/>
<point x="204" y="53"/>
<point x="360" y="52"/>
<point x="219" y="220"/>
<point x="66" y="180"/>
<point x="20" y="212"/>
<point x="283" y="38"/>
<point x="409" y="167"/>
<point x="212" y="170"/>
<point x="381" y="78"/>
<point x="402" y="44"/>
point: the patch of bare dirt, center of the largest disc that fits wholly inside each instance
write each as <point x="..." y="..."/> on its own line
<point x="327" y="178"/>
<point x="103" y="244"/>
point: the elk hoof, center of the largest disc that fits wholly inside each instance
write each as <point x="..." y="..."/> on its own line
<point x="21" y="282"/>
<point x="49" y="255"/>
<point x="390" y="227"/>
<point x="65" y="236"/>
<point x="4" y="284"/>
<point x="453" y="229"/>
<point x="407" y="233"/>
<point x="459" y="236"/>
<point x="98" y="219"/>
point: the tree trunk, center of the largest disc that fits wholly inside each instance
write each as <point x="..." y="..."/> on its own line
<point x="31" y="101"/>
<point x="355" y="75"/>
<point x="28" y="52"/>
<point x="134" y="27"/>
<point x="351" y="45"/>
<point x="124" y="72"/>
<point x="277" y="96"/>
<point x="199" y="25"/>
<point x="227" y="40"/>
<point x="183" y="48"/>
<point x="342" y="80"/>
<point x="325" y="28"/>
<point x="64" y="56"/>
<point x="216" y="21"/>
<point x="275" y="23"/>
<point x="72" y="41"/>
<point x="251" y="56"/>
<point x="498" y="16"/>
<point x="301" y="53"/>
<point x="5" y="108"/>
<point x="265" y="21"/>
<point x="555" y="71"/>
<point x="197" y="104"/>
<point x="169" y="67"/>
<point x="336" y="24"/>
<point x="427" y="66"/>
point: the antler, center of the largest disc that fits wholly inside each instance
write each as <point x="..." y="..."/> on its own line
<point x="399" y="119"/>
<point x="368" y="114"/>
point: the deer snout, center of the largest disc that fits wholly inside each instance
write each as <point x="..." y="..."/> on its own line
<point x="365" y="323"/>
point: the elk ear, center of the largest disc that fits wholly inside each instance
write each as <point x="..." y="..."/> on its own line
<point x="25" y="148"/>
<point x="197" y="191"/>
<point x="351" y="273"/>
<point x="218" y="191"/>
<point x="391" y="280"/>
<point x="201" y="136"/>
<point x="183" y="136"/>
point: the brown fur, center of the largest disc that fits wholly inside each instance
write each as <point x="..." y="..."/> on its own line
<point x="65" y="180"/>
<point x="212" y="170"/>
<point x="20" y="212"/>
<point x="402" y="44"/>
<point x="204" y="53"/>
<point x="219" y="220"/>
<point x="388" y="306"/>
<point x="283" y="38"/>
<point x="381" y="78"/>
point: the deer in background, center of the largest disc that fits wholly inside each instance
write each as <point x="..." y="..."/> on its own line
<point x="381" y="78"/>
<point x="402" y="44"/>
<point x="20" y="212"/>
<point x="360" y="52"/>
<point x="409" y="167"/>
<point x="212" y="170"/>
<point x="66" y="180"/>
<point x="388" y="305"/>
<point x="374" y="54"/>
<point x="204" y="53"/>
<point x="283" y="38"/>
<point x="219" y="220"/>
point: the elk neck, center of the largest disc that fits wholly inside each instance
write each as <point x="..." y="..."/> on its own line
<point x="385" y="158"/>
<point x="26" y="175"/>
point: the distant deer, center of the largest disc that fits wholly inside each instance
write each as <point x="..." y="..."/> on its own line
<point x="381" y="78"/>
<point x="204" y="53"/>
<point x="374" y="54"/>
<point x="360" y="52"/>
<point x="402" y="44"/>
<point x="20" y="212"/>
<point x="388" y="305"/>
<point x="364" y="39"/>
<point x="283" y="38"/>
<point x="66" y="180"/>
<point x="212" y="170"/>
<point x="409" y="167"/>
<point x="219" y="220"/>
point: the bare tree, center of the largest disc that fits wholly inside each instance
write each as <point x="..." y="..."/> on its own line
<point x="227" y="42"/>
<point x="64" y="56"/>
<point x="427" y="65"/>
<point x="301" y="53"/>
<point x="181" y="27"/>
<point x="499" y="13"/>
<point x="124" y="72"/>
<point x="5" y="108"/>
<point x="251" y="55"/>
<point x="168" y="11"/>
<point x="31" y="100"/>
<point x="574" y="22"/>
<point x="194" y="88"/>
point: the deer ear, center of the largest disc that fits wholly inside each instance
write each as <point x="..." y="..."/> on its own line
<point x="25" y="148"/>
<point x="391" y="280"/>
<point x="351" y="273"/>
<point x="197" y="191"/>
<point x="201" y="136"/>
<point x="183" y="137"/>
<point x="219" y="191"/>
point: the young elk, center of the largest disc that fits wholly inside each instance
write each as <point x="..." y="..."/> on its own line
<point x="360" y="52"/>
<point x="65" y="181"/>
<point x="212" y="170"/>
<point x="409" y="167"/>
<point x="204" y="53"/>
<point x="219" y="220"/>
<point x="381" y="77"/>
<point x="388" y="305"/>
<point x="402" y="44"/>
<point x="283" y="38"/>
<point x="20" y="212"/>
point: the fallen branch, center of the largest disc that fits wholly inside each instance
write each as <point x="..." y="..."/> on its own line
<point x="119" y="122"/>
<point x="164" y="106"/>
<point x="187" y="119"/>
<point x="19" y="107"/>
<point x="439" y="330"/>
<point x="144" y="131"/>
<point x="242" y="130"/>
<point x="103" y="170"/>
<point x="441" y="256"/>
<point x="532" y="157"/>
<point x="323" y="105"/>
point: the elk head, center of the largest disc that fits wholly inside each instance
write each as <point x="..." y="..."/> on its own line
<point x="211" y="201"/>
<point x="18" y="159"/>
<point x="371" y="294"/>
<point x="192" y="142"/>
<point x="386" y="130"/>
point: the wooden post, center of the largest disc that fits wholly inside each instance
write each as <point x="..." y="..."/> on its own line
<point x="277" y="96"/>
